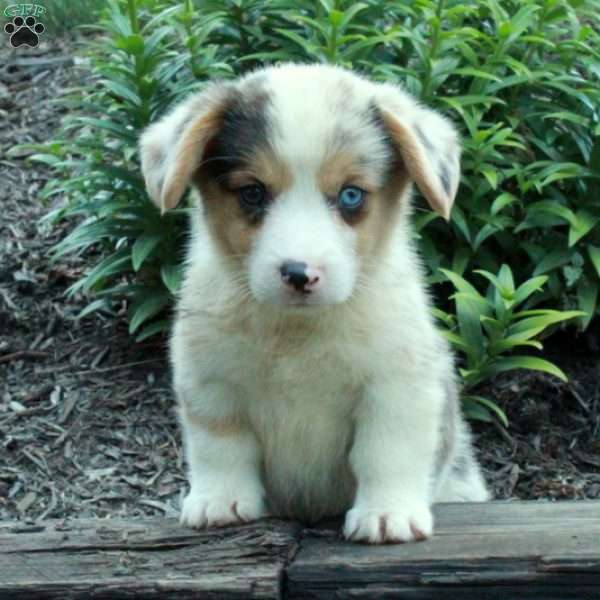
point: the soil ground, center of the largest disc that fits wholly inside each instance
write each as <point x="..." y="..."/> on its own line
<point x="87" y="426"/>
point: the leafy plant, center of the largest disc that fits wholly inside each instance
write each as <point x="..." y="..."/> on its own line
<point x="521" y="78"/>
<point x="486" y="328"/>
<point x="137" y="77"/>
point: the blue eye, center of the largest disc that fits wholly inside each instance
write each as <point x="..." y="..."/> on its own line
<point x="351" y="198"/>
<point x="253" y="196"/>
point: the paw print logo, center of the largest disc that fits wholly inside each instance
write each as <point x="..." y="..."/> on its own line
<point x="24" y="31"/>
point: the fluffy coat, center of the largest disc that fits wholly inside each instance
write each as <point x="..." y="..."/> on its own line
<point x="341" y="398"/>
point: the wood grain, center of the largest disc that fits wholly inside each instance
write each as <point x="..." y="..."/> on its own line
<point x="143" y="559"/>
<point x="495" y="550"/>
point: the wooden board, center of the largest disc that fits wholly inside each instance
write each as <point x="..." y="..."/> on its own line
<point x="142" y="559"/>
<point x="503" y="551"/>
<point x="499" y="550"/>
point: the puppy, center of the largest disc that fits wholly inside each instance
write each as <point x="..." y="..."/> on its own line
<point x="310" y="377"/>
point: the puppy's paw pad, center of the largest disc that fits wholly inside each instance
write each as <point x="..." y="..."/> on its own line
<point x="200" y="511"/>
<point x="393" y="525"/>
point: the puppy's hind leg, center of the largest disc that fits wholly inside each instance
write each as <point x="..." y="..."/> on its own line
<point x="463" y="481"/>
<point x="223" y="459"/>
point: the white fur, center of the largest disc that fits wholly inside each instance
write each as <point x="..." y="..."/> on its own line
<point x="342" y="404"/>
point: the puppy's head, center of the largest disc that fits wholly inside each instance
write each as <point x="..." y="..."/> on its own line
<point x="303" y="172"/>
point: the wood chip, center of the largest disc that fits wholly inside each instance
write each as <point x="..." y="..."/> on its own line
<point x="17" y="407"/>
<point x="26" y="502"/>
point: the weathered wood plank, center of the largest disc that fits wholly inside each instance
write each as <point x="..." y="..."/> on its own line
<point x="143" y="559"/>
<point x="480" y="551"/>
<point x="501" y="551"/>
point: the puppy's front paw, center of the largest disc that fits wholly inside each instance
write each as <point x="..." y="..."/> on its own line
<point x="390" y="525"/>
<point x="207" y="510"/>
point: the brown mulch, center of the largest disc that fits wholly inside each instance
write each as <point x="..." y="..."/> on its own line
<point x="87" y="426"/>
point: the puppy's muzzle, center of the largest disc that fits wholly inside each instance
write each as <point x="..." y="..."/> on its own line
<point x="299" y="276"/>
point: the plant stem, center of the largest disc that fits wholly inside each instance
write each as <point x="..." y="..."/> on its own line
<point x="332" y="49"/>
<point x="435" y="43"/>
<point x="133" y="20"/>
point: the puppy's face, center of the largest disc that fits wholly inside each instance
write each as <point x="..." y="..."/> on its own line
<point x="302" y="171"/>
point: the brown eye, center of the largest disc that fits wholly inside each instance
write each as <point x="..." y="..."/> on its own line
<point x="253" y="196"/>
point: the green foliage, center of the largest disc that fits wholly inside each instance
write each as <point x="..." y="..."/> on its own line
<point x="485" y="328"/>
<point x="521" y="78"/>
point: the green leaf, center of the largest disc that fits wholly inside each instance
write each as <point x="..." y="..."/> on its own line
<point x="491" y="174"/>
<point x="594" y="253"/>
<point x="510" y="343"/>
<point x="444" y="317"/>
<point x="468" y="311"/>
<point x="132" y="44"/>
<point x="584" y="222"/>
<point x="153" y="329"/>
<point x="147" y="309"/>
<point x="122" y="132"/>
<point x="529" y="287"/>
<point x="473" y="411"/>
<point x="530" y="363"/>
<point x="493" y="327"/>
<point x="502" y="201"/>
<point x="48" y="159"/>
<point x="470" y="71"/>
<point x="105" y="269"/>
<point x="171" y="276"/>
<point x="507" y="281"/>
<point x="539" y="323"/>
<point x="142" y="248"/>
<point x="587" y="296"/>
<point x="551" y="261"/>
<point x="335" y="17"/>
<point x="489" y="405"/>
<point x="504" y="283"/>
<point x="554" y="208"/>
<point x="351" y="12"/>
<point x="594" y="162"/>
<point x="457" y="217"/>
<point x="455" y="340"/>
<point x="94" y="306"/>
<point x="461" y="284"/>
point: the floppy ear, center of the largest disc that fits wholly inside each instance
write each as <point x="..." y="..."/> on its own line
<point x="172" y="148"/>
<point x="428" y="145"/>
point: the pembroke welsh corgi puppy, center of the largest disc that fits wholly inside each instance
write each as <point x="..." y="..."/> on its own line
<point x="310" y="377"/>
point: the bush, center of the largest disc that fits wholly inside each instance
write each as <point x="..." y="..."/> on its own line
<point x="521" y="78"/>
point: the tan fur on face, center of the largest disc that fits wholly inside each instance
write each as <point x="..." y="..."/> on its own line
<point x="266" y="167"/>
<point x="228" y="224"/>
<point x="381" y="215"/>
<point x="344" y="168"/>
<point x="375" y="222"/>
<point x="231" y="226"/>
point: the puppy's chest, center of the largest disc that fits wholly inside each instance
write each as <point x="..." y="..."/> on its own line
<point x="300" y="405"/>
<point x="302" y="378"/>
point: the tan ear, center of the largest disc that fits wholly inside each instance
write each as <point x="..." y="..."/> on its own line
<point x="172" y="149"/>
<point x="429" y="147"/>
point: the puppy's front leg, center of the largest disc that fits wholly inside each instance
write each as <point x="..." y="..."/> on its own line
<point x="223" y="459"/>
<point x="393" y="460"/>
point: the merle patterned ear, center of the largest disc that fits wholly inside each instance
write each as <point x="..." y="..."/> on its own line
<point x="172" y="148"/>
<point x="428" y="145"/>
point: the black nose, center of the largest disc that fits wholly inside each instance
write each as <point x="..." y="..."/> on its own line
<point x="294" y="273"/>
